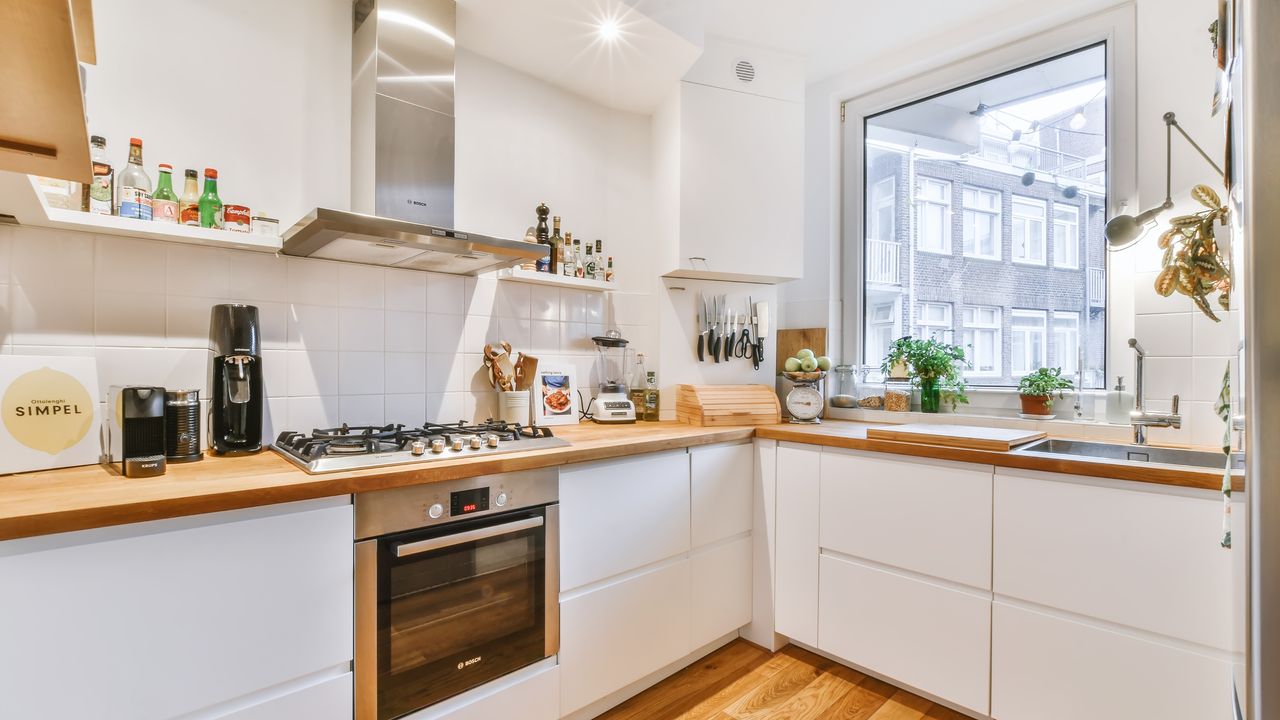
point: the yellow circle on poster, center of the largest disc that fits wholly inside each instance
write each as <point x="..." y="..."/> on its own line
<point x="47" y="410"/>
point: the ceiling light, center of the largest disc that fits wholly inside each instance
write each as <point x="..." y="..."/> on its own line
<point x="608" y="29"/>
<point x="1078" y="120"/>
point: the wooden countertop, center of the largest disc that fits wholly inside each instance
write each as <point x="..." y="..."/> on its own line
<point x="92" y="496"/>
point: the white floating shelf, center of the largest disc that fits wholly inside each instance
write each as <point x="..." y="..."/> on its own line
<point x="538" y="278"/>
<point x="21" y="197"/>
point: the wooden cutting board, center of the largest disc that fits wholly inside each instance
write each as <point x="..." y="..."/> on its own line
<point x="794" y="340"/>
<point x="961" y="436"/>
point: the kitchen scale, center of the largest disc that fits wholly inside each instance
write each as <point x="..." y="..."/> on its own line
<point x="804" y="402"/>
<point x="612" y="403"/>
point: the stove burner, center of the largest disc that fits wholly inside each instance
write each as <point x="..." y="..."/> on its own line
<point x="356" y="440"/>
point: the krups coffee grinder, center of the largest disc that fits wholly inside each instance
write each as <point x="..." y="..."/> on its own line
<point x="235" y="382"/>
<point x="612" y="404"/>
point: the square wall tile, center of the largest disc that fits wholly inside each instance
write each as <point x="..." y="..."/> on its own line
<point x="445" y="294"/>
<point x="1206" y="427"/>
<point x="445" y="407"/>
<point x="187" y="320"/>
<point x="445" y="373"/>
<point x="170" y="368"/>
<point x="199" y="271"/>
<point x="275" y="373"/>
<point x="1166" y="377"/>
<point x="405" y="290"/>
<point x="273" y="323"/>
<point x="594" y="308"/>
<point x="544" y="337"/>
<point x="127" y="264"/>
<point x="405" y="331"/>
<point x="407" y="409"/>
<point x="258" y="276"/>
<point x="360" y="286"/>
<point x="445" y="333"/>
<point x="47" y="314"/>
<point x="312" y="327"/>
<point x="544" y="303"/>
<point x="1164" y="335"/>
<point x="128" y="319"/>
<point x="360" y="329"/>
<point x="1215" y="338"/>
<point x="55" y="260"/>
<point x="361" y="409"/>
<point x="307" y="413"/>
<point x="311" y="373"/>
<point x="1206" y="376"/>
<point x="573" y="306"/>
<point x="479" y="296"/>
<point x="312" y="282"/>
<point x="361" y="373"/>
<point x="275" y="420"/>
<point x="406" y="373"/>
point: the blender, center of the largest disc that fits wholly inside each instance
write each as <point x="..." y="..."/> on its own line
<point x="612" y="405"/>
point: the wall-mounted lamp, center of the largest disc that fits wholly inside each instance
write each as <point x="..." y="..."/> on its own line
<point x="1125" y="230"/>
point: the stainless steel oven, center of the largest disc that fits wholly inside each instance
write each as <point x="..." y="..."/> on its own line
<point x="457" y="584"/>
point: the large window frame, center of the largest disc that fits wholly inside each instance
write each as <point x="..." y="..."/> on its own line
<point x="982" y="206"/>
<point x="1028" y="340"/>
<point x="854" y="103"/>
<point x="978" y="322"/>
<point x="933" y="208"/>
<point x="1028" y="229"/>
<point x="1061" y="242"/>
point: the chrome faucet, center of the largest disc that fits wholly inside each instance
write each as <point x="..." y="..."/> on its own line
<point x="1140" y="419"/>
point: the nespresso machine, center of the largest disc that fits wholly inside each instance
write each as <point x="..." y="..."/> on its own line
<point x="235" y="380"/>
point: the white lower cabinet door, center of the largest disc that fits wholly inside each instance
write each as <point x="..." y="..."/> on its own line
<point x="796" y="545"/>
<point x="326" y="700"/>
<point x="721" y="483"/>
<point x="721" y="577"/>
<point x="930" y="637"/>
<point x="1046" y="667"/>
<point x="532" y="693"/>
<point x="613" y="635"/>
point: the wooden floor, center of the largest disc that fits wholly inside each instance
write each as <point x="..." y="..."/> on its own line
<point x="743" y="682"/>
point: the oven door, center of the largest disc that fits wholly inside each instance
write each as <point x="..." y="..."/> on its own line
<point x="442" y="610"/>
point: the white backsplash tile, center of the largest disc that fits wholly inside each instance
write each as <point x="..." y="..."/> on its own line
<point x="273" y="319"/>
<point x="409" y="409"/>
<point x="1207" y="373"/>
<point x="128" y="319"/>
<point x="544" y="303"/>
<point x="445" y="294"/>
<point x="1215" y="338"/>
<point x="199" y="271"/>
<point x="360" y="329"/>
<point x="544" y="337"/>
<point x="360" y="286"/>
<point x="405" y="331"/>
<point x="308" y="413"/>
<point x="187" y="321"/>
<point x="275" y="373"/>
<point x="258" y="276"/>
<point x="6" y="333"/>
<point x="51" y="314"/>
<point x="1164" y="335"/>
<point x="361" y="373"/>
<point x="53" y="259"/>
<point x="129" y="264"/>
<point x="361" y="409"/>
<point x="312" y="373"/>
<point x="312" y="282"/>
<point x="406" y="372"/>
<point x="573" y="306"/>
<point x="444" y="407"/>
<point x="312" y="327"/>
<point x="405" y="290"/>
<point x="1166" y="377"/>
<point x="444" y="332"/>
<point x="172" y="368"/>
<point x="594" y="308"/>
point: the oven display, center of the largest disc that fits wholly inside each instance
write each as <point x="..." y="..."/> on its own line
<point x="465" y="502"/>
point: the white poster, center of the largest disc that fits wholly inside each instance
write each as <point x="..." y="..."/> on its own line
<point x="49" y="412"/>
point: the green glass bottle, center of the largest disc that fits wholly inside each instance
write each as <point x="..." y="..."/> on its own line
<point x="210" y="203"/>
<point x="164" y="201"/>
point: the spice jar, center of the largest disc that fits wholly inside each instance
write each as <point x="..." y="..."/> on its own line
<point x="897" y="396"/>
<point x="871" y="389"/>
<point x="844" y="392"/>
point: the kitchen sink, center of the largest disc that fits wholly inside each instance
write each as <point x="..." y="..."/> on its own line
<point x="1133" y="453"/>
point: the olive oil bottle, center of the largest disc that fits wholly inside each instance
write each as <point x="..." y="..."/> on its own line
<point x="650" y="398"/>
<point x="636" y="387"/>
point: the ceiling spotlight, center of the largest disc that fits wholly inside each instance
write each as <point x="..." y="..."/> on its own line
<point x="609" y="30"/>
<point x="1078" y="120"/>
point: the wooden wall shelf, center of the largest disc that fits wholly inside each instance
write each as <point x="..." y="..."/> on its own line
<point x="537" y="278"/>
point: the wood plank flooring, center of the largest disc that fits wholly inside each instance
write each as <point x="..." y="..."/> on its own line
<point x="743" y="682"/>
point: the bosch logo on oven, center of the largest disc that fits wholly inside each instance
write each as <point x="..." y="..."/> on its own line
<point x="468" y="663"/>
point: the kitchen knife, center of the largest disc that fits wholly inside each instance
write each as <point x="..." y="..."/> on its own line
<point x="762" y="327"/>
<point x="713" y="340"/>
<point x="753" y="338"/>
<point x="733" y="330"/>
<point x="702" y="332"/>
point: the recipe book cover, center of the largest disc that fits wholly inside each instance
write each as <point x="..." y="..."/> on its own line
<point x="48" y="412"/>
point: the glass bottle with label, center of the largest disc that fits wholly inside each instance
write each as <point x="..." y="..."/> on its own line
<point x="189" y="203"/>
<point x="651" y="397"/>
<point x="566" y="256"/>
<point x="608" y="273"/>
<point x="164" y="201"/>
<point x="134" y="187"/>
<point x="599" y="255"/>
<point x="557" y="240"/>
<point x="96" y="196"/>
<point x="589" y="264"/>
<point x="210" y="203"/>
<point x="578" y="269"/>
<point x="636" y="385"/>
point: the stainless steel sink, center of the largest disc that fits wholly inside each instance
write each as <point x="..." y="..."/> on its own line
<point x="1133" y="453"/>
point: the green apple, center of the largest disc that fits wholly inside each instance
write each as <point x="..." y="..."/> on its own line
<point x="824" y="363"/>
<point x="804" y="353"/>
<point x="791" y="365"/>
<point x="808" y="364"/>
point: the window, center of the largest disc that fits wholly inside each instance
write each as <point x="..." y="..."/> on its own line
<point x="934" y="321"/>
<point x="981" y="223"/>
<point x="934" y="203"/>
<point x="1066" y="236"/>
<point x="882" y="330"/>
<point x="959" y="203"/>
<point x="1028" y="230"/>
<point x="1027" y="346"/>
<point x="883" y="226"/>
<point x="982" y="340"/>
<point x="1066" y="342"/>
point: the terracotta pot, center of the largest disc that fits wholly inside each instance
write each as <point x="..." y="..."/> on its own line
<point x="1036" y="405"/>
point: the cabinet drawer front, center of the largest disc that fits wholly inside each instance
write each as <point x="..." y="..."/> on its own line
<point x="721" y="590"/>
<point x="926" y="517"/>
<point x="524" y="695"/>
<point x="926" y="636"/>
<point x="1050" y="668"/>
<point x="620" y="515"/>
<point x="328" y="700"/>
<point x="796" y="546"/>
<point x="721" y="478"/>
<point x="1145" y="559"/>
<point x="617" y="634"/>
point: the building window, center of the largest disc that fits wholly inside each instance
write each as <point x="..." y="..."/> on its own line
<point x="882" y="330"/>
<point x="883" y="226"/>
<point x="982" y="340"/>
<point x="1016" y="165"/>
<point x="934" y="203"/>
<point x="1066" y="342"/>
<point x="1066" y="236"/>
<point x="981" y="223"/>
<point x="933" y="320"/>
<point x="1028" y="230"/>
<point x="1027" y="346"/>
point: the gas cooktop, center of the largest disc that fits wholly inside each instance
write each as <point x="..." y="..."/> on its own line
<point x="352" y="447"/>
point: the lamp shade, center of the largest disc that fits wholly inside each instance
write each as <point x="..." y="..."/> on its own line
<point x="1124" y="230"/>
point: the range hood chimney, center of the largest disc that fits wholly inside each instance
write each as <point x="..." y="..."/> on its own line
<point x="402" y="152"/>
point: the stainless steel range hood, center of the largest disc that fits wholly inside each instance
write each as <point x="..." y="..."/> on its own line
<point x="402" y="141"/>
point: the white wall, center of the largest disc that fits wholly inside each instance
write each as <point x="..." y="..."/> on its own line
<point x="1173" y="74"/>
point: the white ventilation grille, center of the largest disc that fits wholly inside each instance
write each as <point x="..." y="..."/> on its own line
<point x="745" y="71"/>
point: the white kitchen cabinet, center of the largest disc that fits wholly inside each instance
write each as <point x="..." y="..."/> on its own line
<point x="925" y="516"/>
<point x="721" y="487"/>
<point x="1141" y="556"/>
<point x="1053" y="668"/>
<point x="531" y="693"/>
<point x="329" y="699"/>
<point x="614" y="635"/>
<point x="159" y="619"/>
<point x="622" y="514"/>
<point x="796" y="592"/>
<point x="925" y="635"/>
<point x="721" y="590"/>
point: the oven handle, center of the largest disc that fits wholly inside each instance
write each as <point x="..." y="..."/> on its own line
<point x="414" y="548"/>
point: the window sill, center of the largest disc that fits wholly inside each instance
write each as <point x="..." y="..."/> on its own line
<point x="1030" y="263"/>
<point x="988" y="258"/>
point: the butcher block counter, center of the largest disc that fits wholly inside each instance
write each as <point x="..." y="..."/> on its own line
<point x="92" y="496"/>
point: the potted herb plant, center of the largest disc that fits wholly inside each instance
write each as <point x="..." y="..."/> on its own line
<point x="1036" y="390"/>
<point x="933" y="366"/>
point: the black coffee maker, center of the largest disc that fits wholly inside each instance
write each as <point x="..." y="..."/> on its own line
<point x="235" y="380"/>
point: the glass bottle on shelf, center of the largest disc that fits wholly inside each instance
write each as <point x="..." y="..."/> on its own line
<point x="608" y="274"/>
<point x="164" y="202"/>
<point x="566" y="256"/>
<point x="95" y="197"/>
<point x="189" y="203"/>
<point x="651" y="397"/>
<point x="544" y="237"/>
<point x="134" y="186"/>
<point x="636" y="385"/>
<point x="557" y="240"/>
<point x="210" y="203"/>
<point x="578" y="268"/>
<point x="589" y="264"/>
<point x="599" y="255"/>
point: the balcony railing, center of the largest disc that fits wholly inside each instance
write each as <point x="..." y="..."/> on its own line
<point x="1097" y="283"/>
<point x="882" y="262"/>
<point x="1043" y="159"/>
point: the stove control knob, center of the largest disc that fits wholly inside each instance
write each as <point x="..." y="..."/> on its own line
<point x="476" y="442"/>
<point x="435" y="511"/>
<point x="418" y="447"/>
<point x="500" y="500"/>
<point x="456" y="445"/>
<point x="492" y="441"/>
<point x="437" y="446"/>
